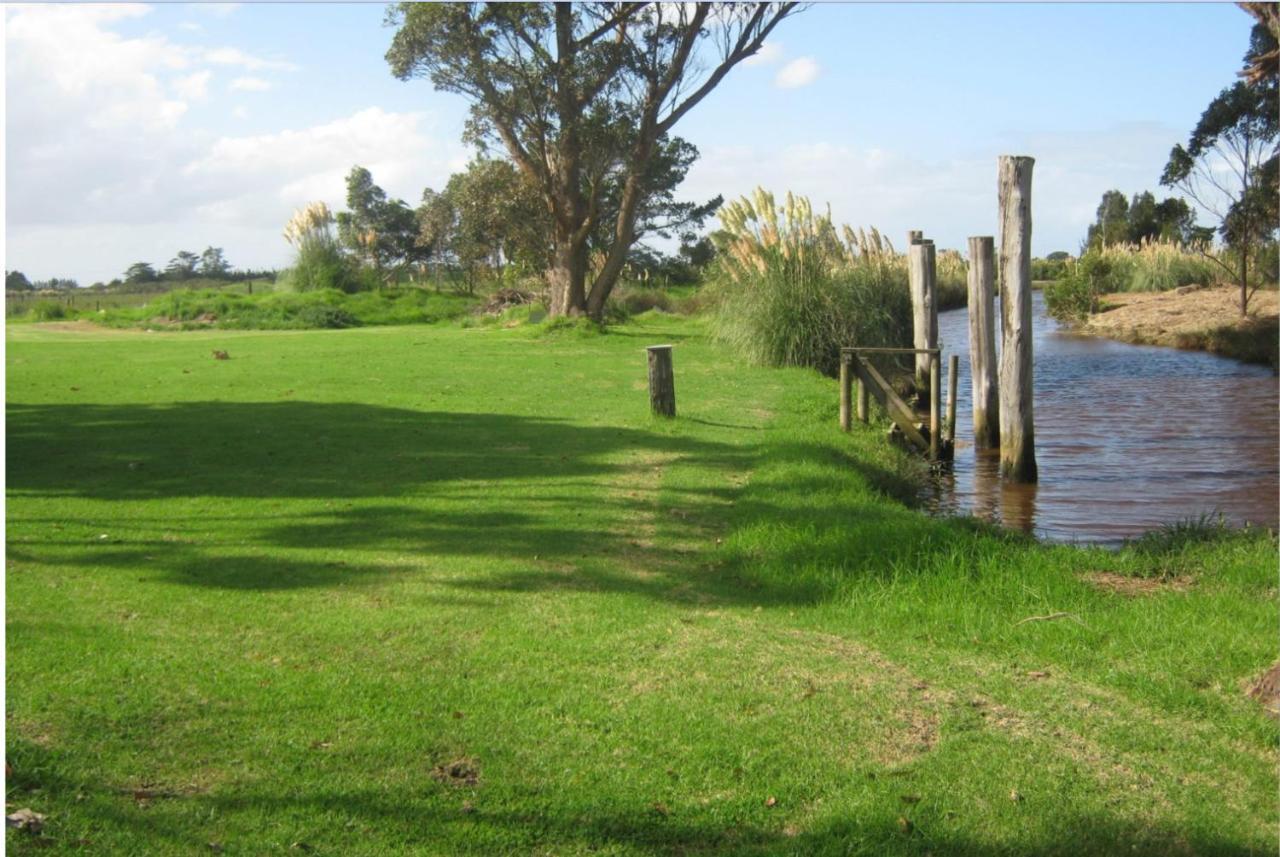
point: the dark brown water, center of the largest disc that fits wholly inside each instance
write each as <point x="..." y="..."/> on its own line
<point x="1128" y="438"/>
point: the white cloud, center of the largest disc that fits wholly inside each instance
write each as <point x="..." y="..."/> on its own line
<point x="192" y="86"/>
<point x="770" y="52"/>
<point x="237" y="57"/>
<point x="799" y="72"/>
<point x="950" y="198"/>
<point x="190" y="26"/>
<point x="240" y="112"/>
<point x="250" y="84"/>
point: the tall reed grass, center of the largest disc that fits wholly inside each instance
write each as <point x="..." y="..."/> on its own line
<point x="791" y="290"/>
<point x="1150" y="266"/>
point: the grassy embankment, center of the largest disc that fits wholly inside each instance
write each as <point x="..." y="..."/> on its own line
<point x="449" y="590"/>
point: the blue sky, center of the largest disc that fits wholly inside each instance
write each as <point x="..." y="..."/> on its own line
<point x="133" y="132"/>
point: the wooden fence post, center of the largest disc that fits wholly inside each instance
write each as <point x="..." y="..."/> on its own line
<point x="662" y="381"/>
<point x="921" y="277"/>
<point x="982" y="342"/>
<point x="846" y="393"/>
<point x="862" y="395"/>
<point x="953" y="378"/>
<point x="1017" y="423"/>
<point x="935" y="405"/>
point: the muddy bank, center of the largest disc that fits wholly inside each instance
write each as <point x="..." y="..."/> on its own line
<point x="1202" y="319"/>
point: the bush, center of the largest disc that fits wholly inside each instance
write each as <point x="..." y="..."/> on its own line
<point x="1074" y="295"/>
<point x="791" y="294"/>
<point x="48" y="310"/>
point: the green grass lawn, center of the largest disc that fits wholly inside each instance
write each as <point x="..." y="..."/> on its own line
<point x="438" y="590"/>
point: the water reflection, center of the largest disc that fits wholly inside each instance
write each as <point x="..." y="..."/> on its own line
<point x="1127" y="438"/>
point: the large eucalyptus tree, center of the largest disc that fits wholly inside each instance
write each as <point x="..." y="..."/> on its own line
<point x="583" y="98"/>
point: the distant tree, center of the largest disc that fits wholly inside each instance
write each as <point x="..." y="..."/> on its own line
<point x="583" y="97"/>
<point x="382" y="233"/>
<point x="213" y="263"/>
<point x="437" y="221"/>
<point x="16" y="281"/>
<point x="1229" y="164"/>
<point x="55" y="284"/>
<point x="1112" y="223"/>
<point x="499" y="217"/>
<point x="1058" y="256"/>
<point x="182" y="266"/>
<point x="140" y="272"/>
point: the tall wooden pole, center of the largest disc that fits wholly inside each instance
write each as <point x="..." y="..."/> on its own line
<point x="1017" y="422"/>
<point x="953" y="378"/>
<point x="982" y="342"/>
<point x="921" y="277"/>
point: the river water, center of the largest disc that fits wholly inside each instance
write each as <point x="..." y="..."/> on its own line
<point x="1128" y="438"/>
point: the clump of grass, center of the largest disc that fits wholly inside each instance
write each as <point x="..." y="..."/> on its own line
<point x="792" y="293"/>
<point x="1251" y="341"/>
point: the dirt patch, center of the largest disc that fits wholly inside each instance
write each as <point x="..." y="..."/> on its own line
<point x="1165" y="315"/>
<point x="1134" y="586"/>
<point x="460" y="772"/>
<point x="1266" y="690"/>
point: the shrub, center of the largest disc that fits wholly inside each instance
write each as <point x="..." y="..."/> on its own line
<point x="48" y="310"/>
<point x="1074" y="295"/>
<point x="791" y="293"/>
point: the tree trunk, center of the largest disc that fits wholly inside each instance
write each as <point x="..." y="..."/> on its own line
<point x="1244" y="280"/>
<point x="567" y="278"/>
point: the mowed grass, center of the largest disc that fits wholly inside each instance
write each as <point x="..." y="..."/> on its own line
<point x="436" y="590"/>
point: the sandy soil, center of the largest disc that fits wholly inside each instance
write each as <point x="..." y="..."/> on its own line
<point x="1168" y="318"/>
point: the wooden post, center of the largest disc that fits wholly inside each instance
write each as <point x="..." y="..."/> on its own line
<point x="914" y="236"/>
<point x="921" y="276"/>
<point x="982" y="342"/>
<point x="662" y="381"/>
<point x="953" y="376"/>
<point x="846" y="393"/>
<point x="935" y="405"/>
<point x="862" y="393"/>
<point x="1017" y="423"/>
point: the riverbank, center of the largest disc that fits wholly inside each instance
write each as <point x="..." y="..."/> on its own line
<point x="1201" y="319"/>
<point x="452" y="590"/>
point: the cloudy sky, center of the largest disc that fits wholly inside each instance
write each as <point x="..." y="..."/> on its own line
<point x="135" y="131"/>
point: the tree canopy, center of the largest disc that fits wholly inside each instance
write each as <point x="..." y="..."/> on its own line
<point x="583" y="98"/>
<point x="1229" y="164"/>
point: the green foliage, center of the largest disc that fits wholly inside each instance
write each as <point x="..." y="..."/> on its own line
<point x="789" y="294"/>
<point x="381" y="233"/>
<point x="1118" y="222"/>
<point x="140" y="272"/>
<point x="48" y="310"/>
<point x="16" y="281"/>
<point x="322" y="308"/>
<point x="1049" y="268"/>
<point x="1074" y="295"/>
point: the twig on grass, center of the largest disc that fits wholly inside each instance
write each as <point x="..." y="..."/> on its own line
<point x="1050" y="617"/>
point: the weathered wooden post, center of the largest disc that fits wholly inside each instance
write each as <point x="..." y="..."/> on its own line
<point x="846" y="393"/>
<point x="1017" y="423"/>
<point x="921" y="277"/>
<point x="935" y="405"/>
<point x="982" y="342"/>
<point x="953" y="377"/>
<point x="862" y="396"/>
<point x="662" y="381"/>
